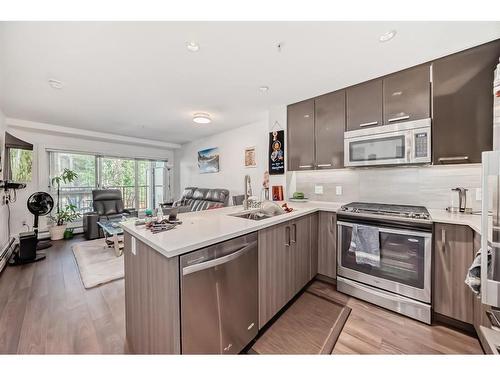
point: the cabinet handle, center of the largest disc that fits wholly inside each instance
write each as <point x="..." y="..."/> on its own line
<point x="454" y="158"/>
<point x="287" y="235"/>
<point x="405" y="117"/>
<point x="368" y="124"/>
<point x="323" y="165"/>
<point x="306" y="166"/>
<point x="294" y="233"/>
<point x="443" y="240"/>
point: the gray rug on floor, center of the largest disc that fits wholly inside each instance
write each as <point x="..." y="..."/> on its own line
<point x="311" y="325"/>
<point x="97" y="263"/>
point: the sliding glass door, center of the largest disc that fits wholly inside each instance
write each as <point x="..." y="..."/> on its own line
<point x="116" y="173"/>
<point x="143" y="183"/>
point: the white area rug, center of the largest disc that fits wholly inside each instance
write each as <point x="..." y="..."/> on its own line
<point x="97" y="263"/>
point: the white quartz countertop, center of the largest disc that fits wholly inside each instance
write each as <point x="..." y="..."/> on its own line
<point x="445" y="217"/>
<point x="204" y="228"/>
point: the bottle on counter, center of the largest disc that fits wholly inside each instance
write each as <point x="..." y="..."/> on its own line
<point x="148" y="219"/>
<point x="159" y="214"/>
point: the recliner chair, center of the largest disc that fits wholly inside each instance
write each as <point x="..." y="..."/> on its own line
<point x="108" y="205"/>
<point x="198" y="199"/>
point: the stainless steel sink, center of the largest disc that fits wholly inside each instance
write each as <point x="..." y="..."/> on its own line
<point x="255" y="215"/>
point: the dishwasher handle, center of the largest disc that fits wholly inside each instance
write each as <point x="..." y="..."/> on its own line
<point x="218" y="261"/>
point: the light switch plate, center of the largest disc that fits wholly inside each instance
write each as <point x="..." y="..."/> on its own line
<point x="338" y="190"/>
<point x="318" y="189"/>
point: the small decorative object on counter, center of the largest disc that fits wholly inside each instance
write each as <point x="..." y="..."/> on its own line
<point x="149" y="217"/>
<point x="286" y="208"/>
<point x="265" y="185"/>
<point x="277" y="193"/>
<point x="159" y="214"/>
<point x="298" y="196"/>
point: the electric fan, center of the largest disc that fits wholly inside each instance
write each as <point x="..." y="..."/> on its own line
<point x="39" y="204"/>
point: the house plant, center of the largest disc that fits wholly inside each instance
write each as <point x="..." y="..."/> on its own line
<point x="64" y="215"/>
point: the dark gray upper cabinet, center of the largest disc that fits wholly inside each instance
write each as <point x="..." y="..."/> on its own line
<point x="300" y="135"/>
<point x="407" y="95"/>
<point x="463" y="104"/>
<point x="329" y="130"/>
<point x="364" y="105"/>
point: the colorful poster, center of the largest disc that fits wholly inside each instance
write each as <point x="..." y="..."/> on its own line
<point x="277" y="152"/>
<point x="208" y="160"/>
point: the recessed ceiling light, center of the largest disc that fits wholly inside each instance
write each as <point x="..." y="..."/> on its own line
<point x="55" y="84"/>
<point x="193" y="46"/>
<point x="202" y="118"/>
<point x="264" y="88"/>
<point x="385" y="37"/>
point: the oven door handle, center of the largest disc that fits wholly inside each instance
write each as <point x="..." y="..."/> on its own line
<point x="389" y="230"/>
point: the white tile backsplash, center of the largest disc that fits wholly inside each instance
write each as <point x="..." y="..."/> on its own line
<point x="428" y="186"/>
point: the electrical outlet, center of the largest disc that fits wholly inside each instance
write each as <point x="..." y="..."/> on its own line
<point x="479" y="194"/>
<point x="338" y="190"/>
<point x="318" y="189"/>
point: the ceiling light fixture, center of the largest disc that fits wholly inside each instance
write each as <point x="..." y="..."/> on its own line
<point x="264" y="88"/>
<point x="55" y="84"/>
<point x="193" y="46"/>
<point x="385" y="37"/>
<point x="202" y="118"/>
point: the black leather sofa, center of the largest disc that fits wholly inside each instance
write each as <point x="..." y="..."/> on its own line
<point x="199" y="199"/>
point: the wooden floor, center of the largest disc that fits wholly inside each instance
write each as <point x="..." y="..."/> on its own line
<point x="374" y="330"/>
<point x="44" y="308"/>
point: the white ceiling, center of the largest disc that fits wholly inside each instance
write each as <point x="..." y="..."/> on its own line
<point x="138" y="78"/>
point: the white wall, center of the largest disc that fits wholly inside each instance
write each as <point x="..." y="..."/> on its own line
<point x="232" y="171"/>
<point x="42" y="141"/>
<point x="428" y="186"/>
<point x="3" y="208"/>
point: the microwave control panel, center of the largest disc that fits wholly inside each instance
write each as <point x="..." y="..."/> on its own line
<point x="421" y="145"/>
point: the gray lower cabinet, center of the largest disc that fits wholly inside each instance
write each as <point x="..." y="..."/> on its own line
<point x="152" y="309"/>
<point x="407" y="95"/>
<point x="301" y="250"/>
<point x="285" y="254"/>
<point x="453" y="254"/>
<point x="463" y="104"/>
<point x="329" y="130"/>
<point x="300" y="136"/>
<point x="327" y="244"/>
<point x="364" y="105"/>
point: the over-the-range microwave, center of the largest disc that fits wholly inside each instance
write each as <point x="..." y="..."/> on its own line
<point x="395" y="144"/>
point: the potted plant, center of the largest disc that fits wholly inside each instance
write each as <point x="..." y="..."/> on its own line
<point x="64" y="215"/>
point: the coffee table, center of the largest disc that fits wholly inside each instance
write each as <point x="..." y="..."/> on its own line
<point x="112" y="230"/>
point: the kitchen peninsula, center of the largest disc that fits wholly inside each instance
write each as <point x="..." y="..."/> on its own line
<point x="153" y="271"/>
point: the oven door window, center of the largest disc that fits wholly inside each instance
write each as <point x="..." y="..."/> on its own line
<point x="401" y="258"/>
<point x="387" y="148"/>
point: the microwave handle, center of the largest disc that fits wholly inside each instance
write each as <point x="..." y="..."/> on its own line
<point x="409" y="146"/>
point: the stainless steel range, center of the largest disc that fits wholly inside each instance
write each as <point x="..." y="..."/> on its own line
<point x="384" y="256"/>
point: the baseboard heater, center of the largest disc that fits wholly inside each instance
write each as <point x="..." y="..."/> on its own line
<point x="6" y="253"/>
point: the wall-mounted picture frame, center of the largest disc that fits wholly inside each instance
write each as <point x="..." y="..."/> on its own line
<point x="208" y="160"/>
<point x="250" y="157"/>
<point x="276" y="152"/>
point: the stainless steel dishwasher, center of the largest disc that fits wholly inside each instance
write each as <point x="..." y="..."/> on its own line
<point x="219" y="297"/>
